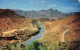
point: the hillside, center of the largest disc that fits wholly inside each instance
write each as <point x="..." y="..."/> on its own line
<point x="15" y="28"/>
<point x="52" y="37"/>
<point x="50" y="13"/>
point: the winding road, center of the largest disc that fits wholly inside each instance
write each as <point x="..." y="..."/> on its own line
<point x="64" y="34"/>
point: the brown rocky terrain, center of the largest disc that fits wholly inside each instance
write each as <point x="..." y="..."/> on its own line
<point x="53" y="31"/>
<point x="14" y="28"/>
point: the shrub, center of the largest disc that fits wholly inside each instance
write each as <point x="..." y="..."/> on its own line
<point x="36" y="46"/>
<point x="33" y="46"/>
<point x="22" y="45"/>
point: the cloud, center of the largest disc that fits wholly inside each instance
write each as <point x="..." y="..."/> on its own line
<point x="52" y="5"/>
<point x="42" y="1"/>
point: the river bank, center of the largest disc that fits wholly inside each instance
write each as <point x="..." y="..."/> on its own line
<point x="35" y="37"/>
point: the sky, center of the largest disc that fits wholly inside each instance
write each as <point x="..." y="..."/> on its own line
<point x="28" y="5"/>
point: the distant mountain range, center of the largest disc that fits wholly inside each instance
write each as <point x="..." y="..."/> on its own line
<point x="50" y="13"/>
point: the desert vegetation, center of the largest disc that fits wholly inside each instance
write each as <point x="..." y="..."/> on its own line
<point x="36" y="45"/>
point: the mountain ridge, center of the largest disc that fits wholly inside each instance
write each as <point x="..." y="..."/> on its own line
<point x="50" y="13"/>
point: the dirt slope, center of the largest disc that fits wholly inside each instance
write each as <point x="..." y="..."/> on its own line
<point x="14" y="27"/>
<point x="53" y="31"/>
<point x="58" y="27"/>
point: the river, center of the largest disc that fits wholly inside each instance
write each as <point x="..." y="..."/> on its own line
<point x="36" y="36"/>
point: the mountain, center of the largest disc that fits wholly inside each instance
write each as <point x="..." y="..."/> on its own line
<point x="50" y="13"/>
<point x="8" y="13"/>
<point x="14" y="28"/>
<point x="8" y="18"/>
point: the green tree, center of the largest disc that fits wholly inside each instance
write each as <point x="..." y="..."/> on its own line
<point x="36" y="46"/>
<point x="22" y="45"/>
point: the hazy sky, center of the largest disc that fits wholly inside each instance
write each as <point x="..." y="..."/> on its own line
<point x="61" y="5"/>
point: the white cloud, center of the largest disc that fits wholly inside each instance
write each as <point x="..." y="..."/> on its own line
<point x="31" y="2"/>
<point x="52" y="5"/>
<point x="42" y="1"/>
